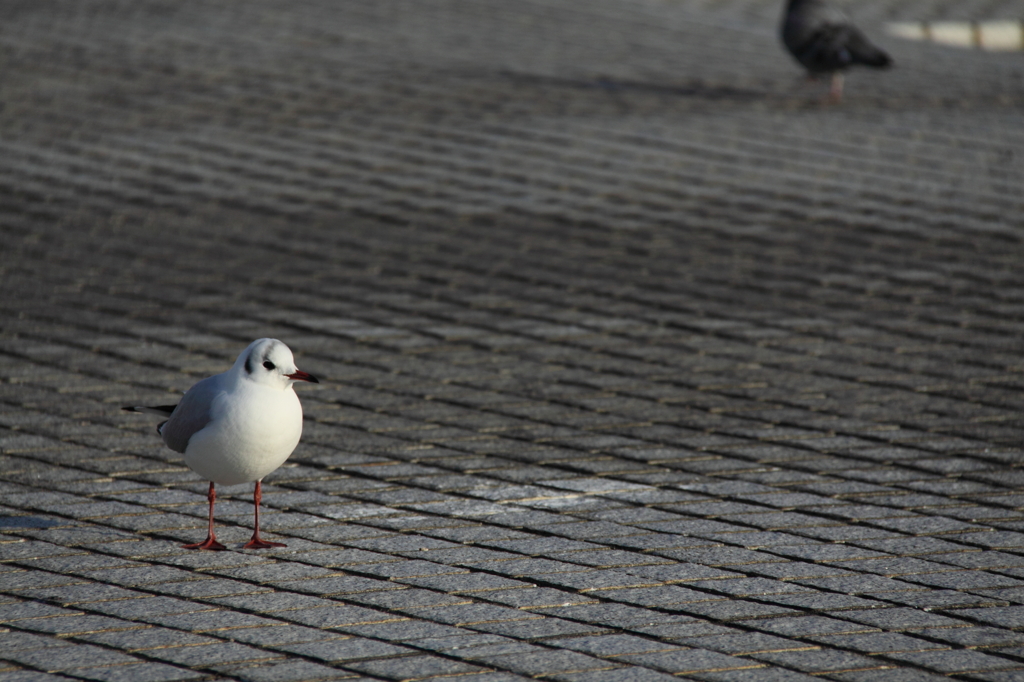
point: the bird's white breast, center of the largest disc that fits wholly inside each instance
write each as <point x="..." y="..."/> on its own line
<point x="253" y="431"/>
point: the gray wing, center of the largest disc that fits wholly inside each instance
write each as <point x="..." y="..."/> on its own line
<point x="192" y="414"/>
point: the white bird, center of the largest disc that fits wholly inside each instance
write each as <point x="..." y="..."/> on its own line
<point x="238" y="426"/>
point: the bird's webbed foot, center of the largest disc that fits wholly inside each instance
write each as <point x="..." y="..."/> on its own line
<point x="209" y="543"/>
<point x="258" y="543"/>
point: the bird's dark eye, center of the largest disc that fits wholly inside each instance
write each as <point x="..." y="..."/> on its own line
<point x="268" y="364"/>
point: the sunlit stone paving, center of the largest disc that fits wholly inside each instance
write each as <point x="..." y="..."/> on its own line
<point x="638" y="361"/>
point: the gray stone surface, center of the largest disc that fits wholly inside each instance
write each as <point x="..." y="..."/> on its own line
<point x="638" y="361"/>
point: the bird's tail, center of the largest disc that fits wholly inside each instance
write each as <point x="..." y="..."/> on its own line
<point x="161" y="411"/>
<point x="865" y="53"/>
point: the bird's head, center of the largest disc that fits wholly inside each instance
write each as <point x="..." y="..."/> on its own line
<point x="270" y="362"/>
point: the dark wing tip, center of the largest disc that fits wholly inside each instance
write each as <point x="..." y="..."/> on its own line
<point x="160" y="410"/>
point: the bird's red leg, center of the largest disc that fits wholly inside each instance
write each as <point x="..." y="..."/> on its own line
<point x="256" y="542"/>
<point x="211" y="540"/>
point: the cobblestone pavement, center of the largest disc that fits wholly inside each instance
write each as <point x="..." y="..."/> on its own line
<point x="638" y="361"/>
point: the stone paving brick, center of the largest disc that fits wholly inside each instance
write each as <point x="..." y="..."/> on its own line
<point x="997" y="676"/>
<point x="401" y="630"/>
<point x="889" y="674"/>
<point x="534" y="597"/>
<point x="273" y="601"/>
<point x="17" y="610"/>
<point x="624" y="674"/>
<point x="209" y="621"/>
<point x="769" y="674"/>
<point x="209" y="587"/>
<point x="65" y="626"/>
<point x="817" y="661"/>
<point x="963" y="580"/>
<point x="13" y="675"/>
<point x="878" y="643"/>
<point x="860" y="584"/>
<point x="543" y="661"/>
<point x="682" y="572"/>
<point x="146" y="638"/>
<point x="413" y="667"/>
<point x="140" y="609"/>
<point x="486" y="677"/>
<point x="537" y="628"/>
<point x="336" y="584"/>
<point x="971" y="637"/>
<point x="615" y="615"/>
<point x="349" y="649"/>
<point x="471" y="614"/>
<point x="949" y="662"/>
<point x="807" y="626"/>
<point x="219" y="654"/>
<point x="744" y="643"/>
<point x="902" y="619"/>
<point x="689" y="661"/>
<point x="157" y="672"/>
<point x="737" y="610"/>
<point x="295" y="670"/>
<point x="612" y="645"/>
<point x="1006" y="617"/>
<point x="278" y="635"/>
<point x="465" y="641"/>
<point x="56" y="659"/>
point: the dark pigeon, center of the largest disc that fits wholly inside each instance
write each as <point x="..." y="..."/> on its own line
<point x="825" y="42"/>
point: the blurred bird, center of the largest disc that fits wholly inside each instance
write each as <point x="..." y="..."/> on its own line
<point x="824" y="41"/>
<point x="238" y="426"/>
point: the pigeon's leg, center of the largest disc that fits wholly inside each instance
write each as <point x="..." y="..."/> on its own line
<point x="211" y="540"/>
<point x="835" y="93"/>
<point x="256" y="542"/>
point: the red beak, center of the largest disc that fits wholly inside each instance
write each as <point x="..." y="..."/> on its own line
<point x="302" y="376"/>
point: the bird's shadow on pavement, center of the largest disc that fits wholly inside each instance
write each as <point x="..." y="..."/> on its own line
<point x="694" y="89"/>
<point x="29" y="522"/>
<point x="650" y="97"/>
<point x="539" y="93"/>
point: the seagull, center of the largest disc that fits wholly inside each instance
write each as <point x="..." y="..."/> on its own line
<point x="238" y="426"/>
<point x="824" y="41"/>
